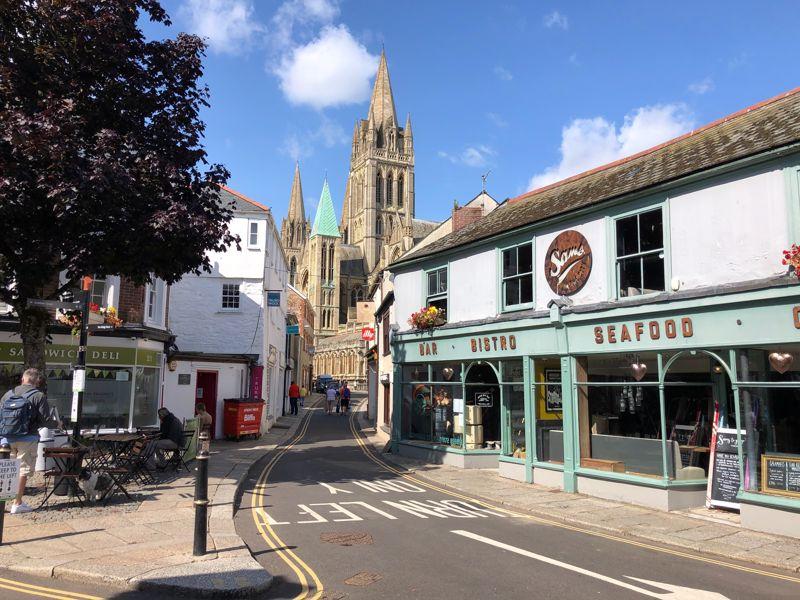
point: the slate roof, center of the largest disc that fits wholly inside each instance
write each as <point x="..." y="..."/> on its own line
<point x="240" y="202"/>
<point x="325" y="222"/>
<point x="765" y="126"/>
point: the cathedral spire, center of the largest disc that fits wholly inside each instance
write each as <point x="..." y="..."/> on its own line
<point x="325" y="219"/>
<point x="297" y="211"/>
<point x="381" y="106"/>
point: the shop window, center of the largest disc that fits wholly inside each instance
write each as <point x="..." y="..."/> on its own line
<point x="548" y="410"/>
<point x="437" y="289"/>
<point x="514" y="398"/>
<point x="230" y="296"/>
<point x="640" y="253"/>
<point x="517" y="278"/>
<point x="387" y="397"/>
<point x="770" y="417"/>
<point x="447" y="415"/>
<point x="446" y="372"/>
<point x="106" y="401"/>
<point x="413" y="372"/>
<point x="145" y="399"/>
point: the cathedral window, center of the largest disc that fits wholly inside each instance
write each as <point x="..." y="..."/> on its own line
<point x="379" y="226"/>
<point x="379" y="141"/>
<point x="356" y="295"/>
<point x="378" y="189"/>
<point x="322" y="270"/>
<point x="400" y="191"/>
<point x="330" y="263"/>
<point x="389" y="198"/>
<point x="292" y="270"/>
<point x="291" y="234"/>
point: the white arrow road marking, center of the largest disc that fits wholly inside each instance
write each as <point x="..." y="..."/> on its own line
<point x="674" y="592"/>
<point x="334" y="490"/>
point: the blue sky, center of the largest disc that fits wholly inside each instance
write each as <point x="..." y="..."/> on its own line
<point x="533" y="91"/>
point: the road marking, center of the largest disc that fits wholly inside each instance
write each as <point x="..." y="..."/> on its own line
<point x="334" y="490"/>
<point x="674" y="592"/>
<point x="369" y="506"/>
<point x="43" y="592"/>
<point x="383" y="486"/>
<point x="338" y="508"/>
<point x="368" y="452"/>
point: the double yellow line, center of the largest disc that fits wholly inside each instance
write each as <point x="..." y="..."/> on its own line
<point x="42" y="592"/>
<point x="311" y="586"/>
<point x="367" y="449"/>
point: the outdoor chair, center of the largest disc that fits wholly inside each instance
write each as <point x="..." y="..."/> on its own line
<point x="134" y="464"/>
<point x="176" y="458"/>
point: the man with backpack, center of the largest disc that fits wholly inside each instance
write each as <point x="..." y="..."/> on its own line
<point x="23" y="411"/>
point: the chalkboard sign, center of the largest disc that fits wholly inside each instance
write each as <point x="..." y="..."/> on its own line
<point x="724" y="478"/>
<point x="780" y="474"/>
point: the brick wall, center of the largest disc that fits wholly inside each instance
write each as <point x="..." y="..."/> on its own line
<point x="131" y="301"/>
<point x="466" y="215"/>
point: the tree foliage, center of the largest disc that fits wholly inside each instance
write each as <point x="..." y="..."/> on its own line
<point x="102" y="167"/>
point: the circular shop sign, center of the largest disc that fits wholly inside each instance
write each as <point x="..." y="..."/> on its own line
<point x="568" y="263"/>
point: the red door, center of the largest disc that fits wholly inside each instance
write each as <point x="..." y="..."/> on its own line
<point x="206" y="392"/>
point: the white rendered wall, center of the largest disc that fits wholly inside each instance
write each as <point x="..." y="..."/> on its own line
<point x="729" y="232"/>
<point x="247" y="262"/>
<point x="596" y="288"/>
<point x="407" y="296"/>
<point x="472" y="286"/>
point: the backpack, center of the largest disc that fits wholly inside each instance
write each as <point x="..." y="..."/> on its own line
<point x="16" y="414"/>
<point x="346" y="393"/>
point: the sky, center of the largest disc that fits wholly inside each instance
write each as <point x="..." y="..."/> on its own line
<point x="531" y="92"/>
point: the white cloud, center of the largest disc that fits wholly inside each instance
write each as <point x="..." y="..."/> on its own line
<point x="503" y="74"/>
<point x="472" y="156"/>
<point x="299" y="13"/>
<point x="331" y="70"/>
<point x="588" y="143"/>
<point x="702" y="87"/>
<point x="229" y="26"/>
<point x="556" y="19"/>
<point x="497" y="120"/>
<point x="330" y="133"/>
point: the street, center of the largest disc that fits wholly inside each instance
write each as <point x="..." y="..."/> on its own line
<point x="330" y="519"/>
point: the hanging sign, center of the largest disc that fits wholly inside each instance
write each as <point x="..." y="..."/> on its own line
<point x="9" y="478"/>
<point x="273" y="299"/>
<point x="568" y="263"/>
<point x="367" y="334"/>
<point x="484" y="399"/>
<point x="292" y="329"/>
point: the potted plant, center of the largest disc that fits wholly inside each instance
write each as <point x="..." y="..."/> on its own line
<point x="427" y="318"/>
<point x="791" y="258"/>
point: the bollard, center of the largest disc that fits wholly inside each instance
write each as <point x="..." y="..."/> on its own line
<point x="201" y="496"/>
<point x="5" y="452"/>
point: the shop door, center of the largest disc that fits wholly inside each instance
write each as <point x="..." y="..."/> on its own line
<point x="206" y="393"/>
<point x="482" y="418"/>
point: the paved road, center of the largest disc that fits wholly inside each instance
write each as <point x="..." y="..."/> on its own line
<point x="14" y="586"/>
<point x="329" y="519"/>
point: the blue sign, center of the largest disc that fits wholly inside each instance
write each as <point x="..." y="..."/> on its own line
<point x="292" y="329"/>
<point x="273" y="299"/>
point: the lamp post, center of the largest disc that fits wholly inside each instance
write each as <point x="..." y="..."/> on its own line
<point x="79" y="374"/>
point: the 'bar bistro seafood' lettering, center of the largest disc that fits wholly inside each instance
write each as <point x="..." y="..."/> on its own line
<point x="644" y="329"/>
<point x="493" y="343"/>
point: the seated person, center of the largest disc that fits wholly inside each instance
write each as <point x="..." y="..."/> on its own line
<point x="171" y="438"/>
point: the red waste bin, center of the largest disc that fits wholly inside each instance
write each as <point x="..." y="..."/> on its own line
<point x="242" y="417"/>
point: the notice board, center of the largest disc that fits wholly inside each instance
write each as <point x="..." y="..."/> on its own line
<point x="780" y="474"/>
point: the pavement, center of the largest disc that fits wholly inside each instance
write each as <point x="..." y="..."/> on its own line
<point x="710" y="532"/>
<point x="149" y="549"/>
<point x="330" y="517"/>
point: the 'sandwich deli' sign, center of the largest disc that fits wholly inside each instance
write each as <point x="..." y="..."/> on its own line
<point x="568" y="263"/>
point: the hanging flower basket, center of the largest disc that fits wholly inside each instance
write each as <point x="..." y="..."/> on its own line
<point x="791" y="258"/>
<point x="427" y="318"/>
<point x="97" y="315"/>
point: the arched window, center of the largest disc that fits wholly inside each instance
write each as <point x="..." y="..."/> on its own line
<point x="356" y="295"/>
<point x="389" y="190"/>
<point x="291" y="234"/>
<point x="378" y="189"/>
<point x="380" y="141"/>
<point x="400" y="191"/>
<point x="292" y="270"/>
<point x="323" y="263"/>
<point x="379" y="225"/>
<point x="330" y="263"/>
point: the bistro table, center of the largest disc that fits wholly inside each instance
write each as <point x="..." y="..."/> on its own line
<point x="67" y="465"/>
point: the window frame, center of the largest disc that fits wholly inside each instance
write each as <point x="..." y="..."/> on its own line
<point x="502" y="279"/>
<point x="155" y="303"/>
<point x="238" y="296"/>
<point x="250" y="243"/>
<point x="614" y="260"/>
<point x="102" y="295"/>
<point x="427" y="298"/>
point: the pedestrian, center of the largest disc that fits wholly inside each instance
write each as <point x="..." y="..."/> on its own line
<point x="294" y="397"/>
<point x="345" y="395"/>
<point x="303" y="394"/>
<point x="330" y="398"/>
<point x="170" y="439"/>
<point x="204" y="418"/>
<point x="23" y="410"/>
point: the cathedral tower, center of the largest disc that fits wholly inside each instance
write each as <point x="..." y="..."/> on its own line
<point x="379" y="196"/>
<point x="323" y="266"/>
<point x="294" y="229"/>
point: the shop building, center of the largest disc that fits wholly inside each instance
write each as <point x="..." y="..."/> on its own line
<point x="629" y="333"/>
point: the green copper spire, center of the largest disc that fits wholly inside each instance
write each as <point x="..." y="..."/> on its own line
<point x="325" y="220"/>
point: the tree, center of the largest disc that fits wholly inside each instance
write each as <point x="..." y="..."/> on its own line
<point x="100" y="153"/>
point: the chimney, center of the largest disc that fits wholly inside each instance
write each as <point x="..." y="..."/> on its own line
<point x="465" y="215"/>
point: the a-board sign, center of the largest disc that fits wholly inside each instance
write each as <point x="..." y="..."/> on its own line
<point x="780" y="474"/>
<point x="9" y="478"/>
<point x="723" y="480"/>
<point x="484" y="399"/>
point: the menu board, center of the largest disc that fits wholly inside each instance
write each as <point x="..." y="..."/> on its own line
<point x="780" y="474"/>
<point x="723" y="483"/>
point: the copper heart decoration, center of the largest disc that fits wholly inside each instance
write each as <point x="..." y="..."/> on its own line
<point x="447" y="373"/>
<point x="639" y="371"/>
<point x="781" y="361"/>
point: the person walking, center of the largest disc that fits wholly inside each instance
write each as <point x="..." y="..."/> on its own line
<point x="294" y="397"/>
<point x="344" y="393"/>
<point x="23" y="411"/>
<point x="303" y="394"/>
<point x="330" y="399"/>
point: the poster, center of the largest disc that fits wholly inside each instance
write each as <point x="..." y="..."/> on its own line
<point x="552" y="399"/>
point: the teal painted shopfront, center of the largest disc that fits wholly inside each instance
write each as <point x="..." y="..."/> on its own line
<point x="619" y="402"/>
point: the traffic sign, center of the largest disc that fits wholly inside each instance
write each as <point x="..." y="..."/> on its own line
<point x="9" y="478"/>
<point x="368" y="334"/>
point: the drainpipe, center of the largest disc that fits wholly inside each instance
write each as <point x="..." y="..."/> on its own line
<point x="568" y="392"/>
